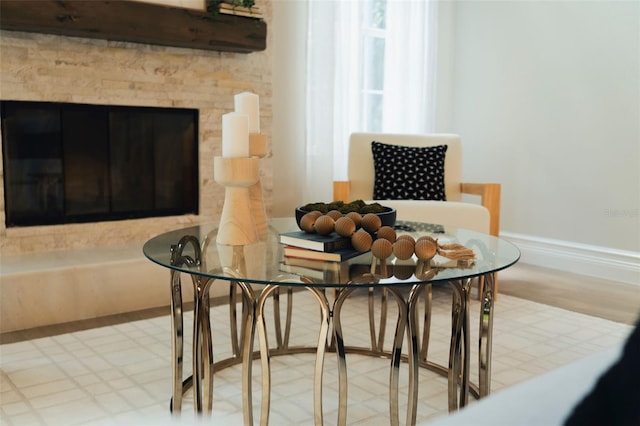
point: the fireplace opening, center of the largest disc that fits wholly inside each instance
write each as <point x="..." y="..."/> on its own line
<point x="72" y="163"/>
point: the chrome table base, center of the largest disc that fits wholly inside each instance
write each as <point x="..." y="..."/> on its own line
<point x="253" y="316"/>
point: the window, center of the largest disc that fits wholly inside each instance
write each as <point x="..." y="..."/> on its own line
<point x="373" y="46"/>
<point x="370" y="68"/>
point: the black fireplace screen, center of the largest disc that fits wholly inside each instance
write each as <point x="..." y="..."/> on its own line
<point x="70" y="163"/>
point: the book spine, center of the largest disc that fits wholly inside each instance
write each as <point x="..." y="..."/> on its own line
<point x="312" y="244"/>
<point x="338" y="245"/>
<point x="312" y="254"/>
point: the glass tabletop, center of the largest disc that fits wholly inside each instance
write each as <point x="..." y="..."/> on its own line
<point x="264" y="262"/>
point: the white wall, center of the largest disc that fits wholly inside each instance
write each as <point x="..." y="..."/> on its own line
<point x="546" y="97"/>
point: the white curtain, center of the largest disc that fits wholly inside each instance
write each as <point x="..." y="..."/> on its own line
<point x="410" y="67"/>
<point x="333" y="81"/>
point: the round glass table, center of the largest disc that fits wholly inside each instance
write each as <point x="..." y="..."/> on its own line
<point x="259" y="271"/>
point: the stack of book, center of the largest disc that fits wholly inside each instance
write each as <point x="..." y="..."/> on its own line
<point x="232" y="9"/>
<point x="325" y="257"/>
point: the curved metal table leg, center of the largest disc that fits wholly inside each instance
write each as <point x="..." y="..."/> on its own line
<point x="394" y="374"/>
<point x="426" y="322"/>
<point x="325" y="315"/>
<point x="197" y="373"/>
<point x="177" y="325"/>
<point x="341" y="354"/>
<point x="486" y="334"/>
<point x="377" y="338"/>
<point x="249" y="323"/>
<point x="202" y="348"/>
<point x="417" y="349"/>
<point x="265" y="356"/>
<point x="396" y="352"/>
<point x="177" y="342"/>
<point x="242" y="342"/>
<point x="282" y="338"/>
<point x="233" y="319"/>
<point x="459" y="365"/>
<point x="206" y="349"/>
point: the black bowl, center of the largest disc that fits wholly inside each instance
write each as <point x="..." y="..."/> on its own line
<point x="388" y="216"/>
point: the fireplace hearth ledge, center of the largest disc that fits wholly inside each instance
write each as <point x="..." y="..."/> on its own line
<point x="47" y="288"/>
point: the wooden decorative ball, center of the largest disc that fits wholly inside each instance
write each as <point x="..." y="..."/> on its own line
<point x="403" y="272"/>
<point x="428" y="238"/>
<point x="388" y="233"/>
<point x="345" y="226"/>
<point x="356" y="217"/>
<point x="361" y="240"/>
<point x="406" y="237"/>
<point x="324" y="225"/>
<point x="371" y="222"/>
<point x="307" y="221"/>
<point x="382" y="248"/>
<point x="403" y="248"/>
<point x="426" y="248"/>
<point x="335" y="214"/>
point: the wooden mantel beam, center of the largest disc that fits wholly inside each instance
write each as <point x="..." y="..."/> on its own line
<point x="135" y="22"/>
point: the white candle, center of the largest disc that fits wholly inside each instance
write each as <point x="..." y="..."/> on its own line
<point x="235" y="135"/>
<point x="249" y="104"/>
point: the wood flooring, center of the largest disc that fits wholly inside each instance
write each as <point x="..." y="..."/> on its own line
<point x="601" y="298"/>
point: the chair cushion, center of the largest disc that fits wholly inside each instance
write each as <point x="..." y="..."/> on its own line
<point x="408" y="172"/>
<point x="455" y="214"/>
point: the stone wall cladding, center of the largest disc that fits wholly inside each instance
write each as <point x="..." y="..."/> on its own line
<point x="40" y="67"/>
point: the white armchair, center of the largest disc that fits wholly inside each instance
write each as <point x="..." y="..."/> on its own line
<point x="483" y="217"/>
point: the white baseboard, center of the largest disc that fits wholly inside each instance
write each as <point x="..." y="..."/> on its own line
<point x="602" y="262"/>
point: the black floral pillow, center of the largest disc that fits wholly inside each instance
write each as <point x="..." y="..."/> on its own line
<point x="408" y="173"/>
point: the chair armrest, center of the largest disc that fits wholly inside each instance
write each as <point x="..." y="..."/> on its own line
<point x="490" y="198"/>
<point x="341" y="191"/>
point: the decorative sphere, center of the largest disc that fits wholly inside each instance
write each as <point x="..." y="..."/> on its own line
<point x="426" y="248"/>
<point x="307" y="221"/>
<point x="345" y="226"/>
<point x="371" y="222"/>
<point x="324" y="225"/>
<point x="356" y="217"/>
<point x="361" y="240"/>
<point x="403" y="248"/>
<point x="335" y="214"/>
<point x="388" y="233"/>
<point x="382" y="248"/>
<point x="403" y="272"/>
<point x="406" y="237"/>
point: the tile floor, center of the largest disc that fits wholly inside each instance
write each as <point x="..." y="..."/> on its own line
<point x="120" y="374"/>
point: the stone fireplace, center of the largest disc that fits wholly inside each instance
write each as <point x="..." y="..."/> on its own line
<point x="59" y="273"/>
<point x="41" y="67"/>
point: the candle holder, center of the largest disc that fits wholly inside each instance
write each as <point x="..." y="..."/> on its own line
<point x="237" y="174"/>
<point x="258" y="148"/>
